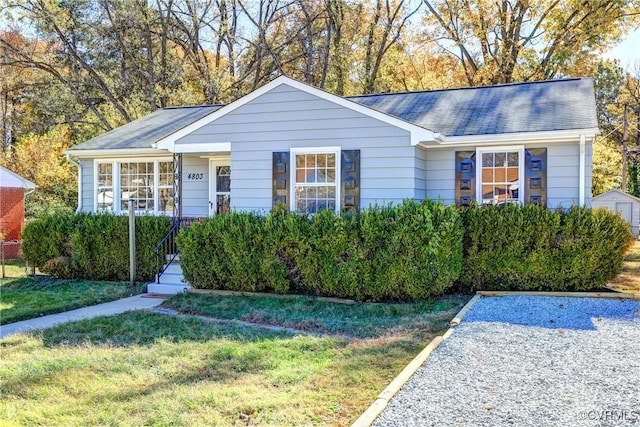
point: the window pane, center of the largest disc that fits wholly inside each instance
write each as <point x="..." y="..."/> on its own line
<point x="311" y="176"/>
<point x="223" y="179"/>
<point x="499" y="177"/>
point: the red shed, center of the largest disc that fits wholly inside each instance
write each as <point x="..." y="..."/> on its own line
<point x="12" y="192"/>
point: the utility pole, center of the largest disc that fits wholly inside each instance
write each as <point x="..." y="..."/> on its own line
<point x="625" y="134"/>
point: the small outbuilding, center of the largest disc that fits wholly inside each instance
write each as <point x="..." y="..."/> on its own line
<point x="618" y="201"/>
<point x="13" y="188"/>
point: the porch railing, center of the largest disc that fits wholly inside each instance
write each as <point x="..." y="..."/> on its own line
<point x="166" y="251"/>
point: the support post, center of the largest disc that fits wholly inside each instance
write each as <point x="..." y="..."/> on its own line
<point x="132" y="244"/>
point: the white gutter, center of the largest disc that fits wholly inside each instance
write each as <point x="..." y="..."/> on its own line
<point x="582" y="180"/>
<point x="73" y="162"/>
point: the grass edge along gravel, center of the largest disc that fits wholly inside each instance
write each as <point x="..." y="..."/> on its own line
<point x="151" y="368"/>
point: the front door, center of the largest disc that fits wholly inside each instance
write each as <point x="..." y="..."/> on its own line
<point x="219" y="187"/>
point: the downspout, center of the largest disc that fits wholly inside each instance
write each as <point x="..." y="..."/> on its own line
<point x="582" y="179"/>
<point x="79" y="166"/>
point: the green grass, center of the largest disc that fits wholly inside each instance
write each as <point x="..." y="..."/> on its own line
<point x="26" y="298"/>
<point x="13" y="268"/>
<point x="360" y="320"/>
<point x="143" y="368"/>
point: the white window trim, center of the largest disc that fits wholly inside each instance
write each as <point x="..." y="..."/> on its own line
<point x="512" y="148"/>
<point x="115" y="162"/>
<point x="313" y="150"/>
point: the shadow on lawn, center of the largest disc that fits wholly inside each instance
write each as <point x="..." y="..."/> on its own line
<point x="552" y="312"/>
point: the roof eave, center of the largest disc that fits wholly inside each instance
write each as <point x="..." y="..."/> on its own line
<point x="115" y="152"/>
<point x="520" y="137"/>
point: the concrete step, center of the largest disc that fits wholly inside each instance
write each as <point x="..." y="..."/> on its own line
<point x="172" y="278"/>
<point x="173" y="268"/>
<point x="167" y="289"/>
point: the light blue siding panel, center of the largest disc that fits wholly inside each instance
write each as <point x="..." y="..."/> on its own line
<point x="286" y="118"/>
<point x="88" y="190"/>
<point x="195" y="193"/>
<point x="440" y="175"/>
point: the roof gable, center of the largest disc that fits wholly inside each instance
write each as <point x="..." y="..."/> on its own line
<point x="418" y="133"/>
<point x="553" y="105"/>
<point x="616" y="191"/>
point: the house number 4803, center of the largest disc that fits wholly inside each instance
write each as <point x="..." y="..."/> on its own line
<point x="195" y="176"/>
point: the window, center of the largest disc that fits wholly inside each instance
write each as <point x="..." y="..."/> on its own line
<point x="315" y="178"/>
<point x="105" y="187"/>
<point x="500" y="176"/>
<point x="148" y="184"/>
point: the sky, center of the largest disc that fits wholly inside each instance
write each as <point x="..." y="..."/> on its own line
<point x="628" y="51"/>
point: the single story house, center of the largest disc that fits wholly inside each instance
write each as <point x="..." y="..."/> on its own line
<point x="292" y="143"/>
<point x="618" y="201"/>
<point x="13" y="189"/>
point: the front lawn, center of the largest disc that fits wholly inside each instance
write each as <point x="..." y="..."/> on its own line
<point x="319" y="316"/>
<point x="143" y="368"/>
<point x="26" y="298"/>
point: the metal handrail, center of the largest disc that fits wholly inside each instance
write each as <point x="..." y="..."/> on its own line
<point x="167" y="246"/>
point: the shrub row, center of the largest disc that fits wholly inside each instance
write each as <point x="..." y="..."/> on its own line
<point x="405" y="252"/>
<point x="92" y="246"/>
<point x="532" y="248"/>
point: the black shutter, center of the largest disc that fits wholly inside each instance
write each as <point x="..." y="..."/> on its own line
<point x="535" y="176"/>
<point x="350" y="181"/>
<point x="281" y="177"/>
<point x="465" y="177"/>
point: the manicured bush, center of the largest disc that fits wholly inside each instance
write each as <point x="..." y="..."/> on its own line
<point x="532" y="248"/>
<point x="405" y="252"/>
<point x="92" y="246"/>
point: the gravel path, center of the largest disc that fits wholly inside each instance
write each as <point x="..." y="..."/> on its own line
<point x="530" y="361"/>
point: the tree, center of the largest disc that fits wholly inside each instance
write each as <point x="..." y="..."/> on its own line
<point x="39" y="158"/>
<point x="519" y="40"/>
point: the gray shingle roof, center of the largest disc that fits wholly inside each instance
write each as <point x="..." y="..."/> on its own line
<point x="519" y="107"/>
<point x="149" y="129"/>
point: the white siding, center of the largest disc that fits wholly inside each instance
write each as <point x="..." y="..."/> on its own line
<point x="88" y="191"/>
<point x="285" y="118"/>
<point x="610" y="199"/>
<point x="195" y="192"/>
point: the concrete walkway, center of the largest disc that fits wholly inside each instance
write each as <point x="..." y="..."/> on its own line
<point x="138" y="302"/>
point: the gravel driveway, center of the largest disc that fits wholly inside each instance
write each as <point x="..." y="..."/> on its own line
<point x="530" y="361"/>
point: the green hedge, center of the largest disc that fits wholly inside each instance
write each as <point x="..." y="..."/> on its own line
<point x="532" y="248"/>
<point x="92" y="246"/>
<point x="406" y="252"/>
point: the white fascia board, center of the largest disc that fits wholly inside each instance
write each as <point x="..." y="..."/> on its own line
<point x="209" y="147"/>
<point x="572" y="135"/>
<point x="123" y="152"/>
<point x="418" y="133"/>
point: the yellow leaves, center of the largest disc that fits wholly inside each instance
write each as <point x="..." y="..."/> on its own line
<point x="39" y="158"/>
